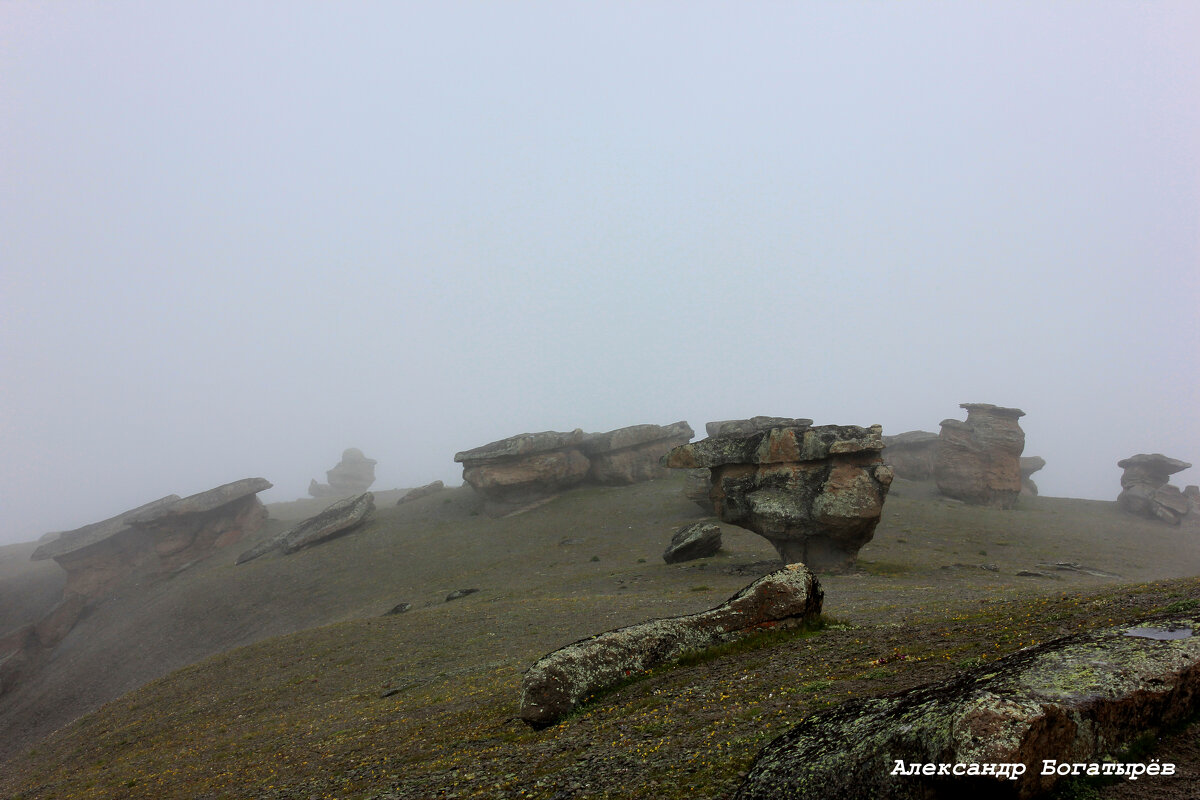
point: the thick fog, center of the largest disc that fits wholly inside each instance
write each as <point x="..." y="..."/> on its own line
<point x="237" y="238"/>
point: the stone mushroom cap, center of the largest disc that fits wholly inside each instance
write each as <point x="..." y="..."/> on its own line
<point x="1155" y="462"/>
<point x="80" y="538"/>
<point x="777" y="446"/>
<point x="523" y="444"/>
<point x="988" y="408"/>
<point x="1031" y="464"/>
<point x="909" y="438"/>
<point x="354" y="454"/>
<point x="745" y="427"/>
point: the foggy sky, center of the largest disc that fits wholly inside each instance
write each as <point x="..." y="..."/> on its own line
<point x="239" y="237"/>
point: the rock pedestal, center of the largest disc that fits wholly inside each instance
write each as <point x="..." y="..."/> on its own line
<point x="911" y="454"/>
<point x="815" y="493"/>
<point x="1145" y="490"/>
<point x="978" y="461"/>
<point x="353" y="475"/>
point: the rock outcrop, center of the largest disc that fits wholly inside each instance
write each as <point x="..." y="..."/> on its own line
<point x="151" y="540"/>
<point x="339" y="518"/>
<point x="1030" y="465"/>
<point x="911" y="454"/>
<point x="698" y="540"/>
<point x="978" y="461"/>
<point x="633" y="454"/>
<point x="1072" y="700"/>
<point x="1145" y="490"/>
<point x="745" y="427"/>
<point x="521" y="470"/>
<point x="562" y="680"/>
<point x="421" y="491"/>
<point x="816" y="493"/>
<point x="353" y="475"/>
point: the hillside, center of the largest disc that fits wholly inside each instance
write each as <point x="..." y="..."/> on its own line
<point x="269" y="679"/>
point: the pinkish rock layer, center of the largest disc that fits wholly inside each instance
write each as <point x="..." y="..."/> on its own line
<point x="815" y="493"/>
<point x="978" y="461"/>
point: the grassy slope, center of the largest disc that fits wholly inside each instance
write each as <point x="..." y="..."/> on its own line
<point x="302" y="715"/>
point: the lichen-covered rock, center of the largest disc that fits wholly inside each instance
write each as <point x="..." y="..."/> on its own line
<point x="421" y="491"/>
<point x="1145" y="490"/>
<point x="633" y="454"/>
<point x="816" y="493"/>
<point x="978" y="461"/>
<point x="911" y="454"/>
<point x="521" y="470"/>
<point x="560" y="681"/>
<point x="338" y="518"/>
<point x="1030" y="465"/>
<point x="698" y="540"/>
<point x="353" y="475"/>
<point x="1071" y="700"/>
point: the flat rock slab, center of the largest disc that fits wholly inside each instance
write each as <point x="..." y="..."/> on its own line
<point x="564" y="679"/>
<point x="1074" y="700"/>
<point x="335" y="520"/>
<point x="698" y="540"/>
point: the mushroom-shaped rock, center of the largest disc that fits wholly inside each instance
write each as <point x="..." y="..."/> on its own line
<point x="1145" y="490"/>
<point x="978" y="461"/>
<point x="632" y="455"/>
<point x="516" y="472"/>
<point x="816" y="493"/>
<point x="560" y="681"/>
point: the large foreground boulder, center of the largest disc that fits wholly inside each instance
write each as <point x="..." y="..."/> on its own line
<point x="1145" y="490"/>
<point x="339" y="518"/>
<point x="1070" y="701"/>
<point x="562" y="680"/>
<point x="978" y="461"/>
<point x="353" y="475"/>
<point x="815" y="493"/>
<point x="633" y="454"/>
<point x="911" y="454"/>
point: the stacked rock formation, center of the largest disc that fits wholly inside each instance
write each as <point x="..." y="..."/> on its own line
<point x="815" y="493"/>
<point x="632" y="455"/>
<point x="154" y="539"/>
<point x="522" y="471"/>
<point x="1145" y="489"/>
<point x="978" y="461"/>
<point x="911" y="454"/>
<point x="1030" y="465"/>
<point x="353" y="475"/>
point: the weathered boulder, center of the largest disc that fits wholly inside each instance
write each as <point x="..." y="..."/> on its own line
<point x="978" y="461"/>
<point x="1145" y="490"/>
<point x="338" y="518"/>
<point x="560" y="681"/>
<point x="353" y="475"/>
<point x="1030" y="465"/>
<point x="632" y="455"/>
<point x="697" y="484"/>
<point x="1071" y="700"/>
<point x="816" y="493"/>
<point x="421" y="491"/>
<point x="911" y="454"/>
<point x="698" y="540"/>
<point x="1192" y="494"/>
<point x="524" y="469"/>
